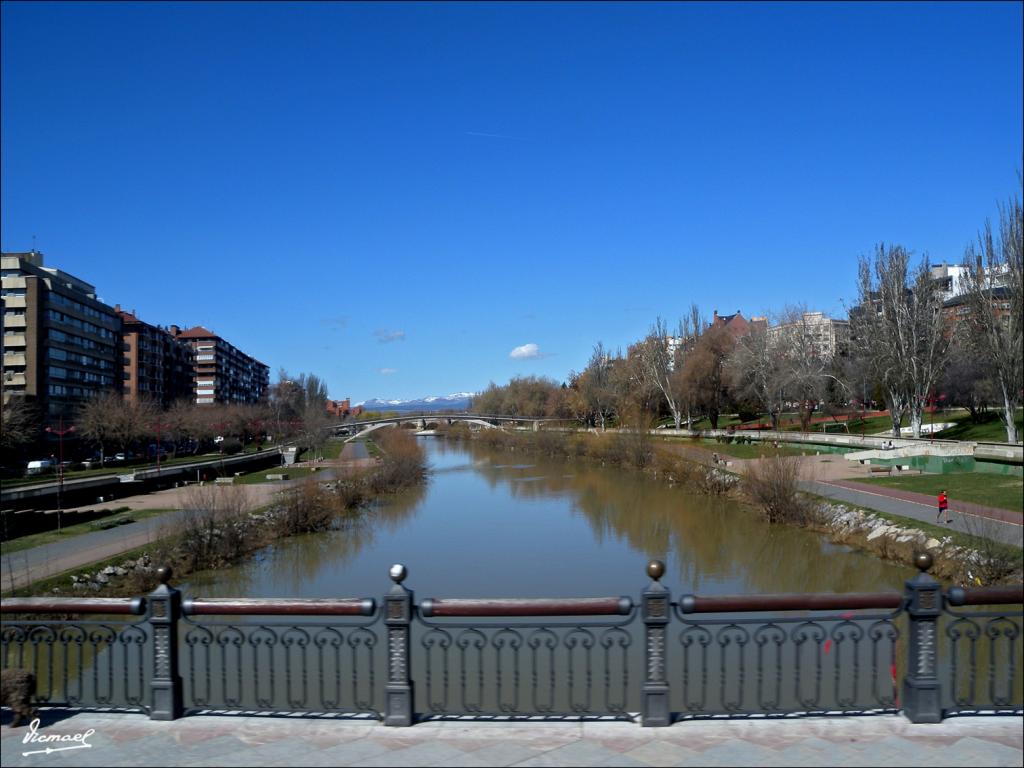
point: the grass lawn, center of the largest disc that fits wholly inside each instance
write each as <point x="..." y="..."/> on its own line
<point x="332" y="449"/>
<point x="1003" y="491"/>
<point x="724" y="420"/>
<point x="69" y="531"/>
<point x="990" y="429"/>
<point x="260" y="475"/>
<point x="755" y="450"/>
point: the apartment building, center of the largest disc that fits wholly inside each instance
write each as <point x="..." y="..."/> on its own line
<point x="221" y="372"/>
<point x="60" y="343"/>
<point x="157" y="366"/>
<point x="736" y="324"/>
<point x="828" y="337"/>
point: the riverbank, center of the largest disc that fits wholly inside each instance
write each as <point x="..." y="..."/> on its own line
<point x="218" y="526"/>
<point x="964" y="557"/>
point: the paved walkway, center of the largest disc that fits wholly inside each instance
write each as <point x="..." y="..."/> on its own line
<point x="28" y="565"/>
<point x="832" y="476"/>
<point x="210" y="740"/>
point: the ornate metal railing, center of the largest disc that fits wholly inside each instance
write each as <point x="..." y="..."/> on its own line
<point x="826" y="656"/>
<point x="83" y="652"/>
<point x="918" y="651"/>
<point x="507" y="663"/>
<point x="985" y="644"/>
<point x="327" y="662"/>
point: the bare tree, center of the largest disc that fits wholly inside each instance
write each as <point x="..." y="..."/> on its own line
<point x="20" y="422"/>
<point x="807" y="365"/>
<point x="704" y="371"/>
<point x="757" y="371"/>
<point x="968" y="381"/>
<point x="635" y="398"/>
<point x="995" y="292"/>
<point x="98" y="418"/>
<point x="655" y="356"/>
<point x="595" y="385"/>
<point x="899" y="330"/>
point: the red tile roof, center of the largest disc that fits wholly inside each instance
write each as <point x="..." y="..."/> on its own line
<point x="198" y="333"/>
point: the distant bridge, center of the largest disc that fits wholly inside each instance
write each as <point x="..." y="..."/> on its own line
<point x="360" y="429"/>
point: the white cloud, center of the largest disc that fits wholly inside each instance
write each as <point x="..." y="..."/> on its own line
<point x="385" y="336"/>
<point x="387" y="371"/>
<point x="525" y="352"/>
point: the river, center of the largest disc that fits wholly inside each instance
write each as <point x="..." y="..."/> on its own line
<point x="498" y="523"/>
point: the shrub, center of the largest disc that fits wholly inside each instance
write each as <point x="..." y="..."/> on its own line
<point x="403" y="463"/>
<point x="773" y="485"/>
<point x="213" y="525"/>
<point x="305" y="508"/>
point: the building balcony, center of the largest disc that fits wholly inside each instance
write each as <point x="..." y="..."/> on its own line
<point x="14" y="359"/>
<point x="14" y="340"/>
<point x="14" y="321"/>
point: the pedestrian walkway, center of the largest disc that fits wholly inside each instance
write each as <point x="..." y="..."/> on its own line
<point x="882" y="500"/>
<point x="837" y="479"/>
<point x="42" y="562"/>
<point x="212" y="740"/>
<point x="22" y="568"/>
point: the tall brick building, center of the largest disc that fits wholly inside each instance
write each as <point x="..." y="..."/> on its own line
<point x="156" y="364"/>
<point x="61" y="344"/>
<point x="222" y="373"/>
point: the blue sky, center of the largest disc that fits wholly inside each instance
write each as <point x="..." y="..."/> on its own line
<point x="396" y="197"/>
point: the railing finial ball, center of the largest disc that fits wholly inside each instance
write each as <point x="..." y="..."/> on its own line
<point x="398" y="573"/>
<point x="655" y="569"/>
<point x="164" y="573"/>
<point x="923" y="561"/>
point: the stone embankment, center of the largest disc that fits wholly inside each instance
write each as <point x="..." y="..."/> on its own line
<point x="868" y="531"/>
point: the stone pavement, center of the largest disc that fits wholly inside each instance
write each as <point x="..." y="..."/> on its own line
<point x="224" y="740"/>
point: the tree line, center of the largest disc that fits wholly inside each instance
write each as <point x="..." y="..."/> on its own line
<point x="906" y="347"/>
<point x="293" y="411"/>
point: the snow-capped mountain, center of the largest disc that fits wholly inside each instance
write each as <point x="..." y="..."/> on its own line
<point x="455" y="402"/>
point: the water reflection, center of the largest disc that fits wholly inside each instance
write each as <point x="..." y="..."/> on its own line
<point x="493" y="523"/>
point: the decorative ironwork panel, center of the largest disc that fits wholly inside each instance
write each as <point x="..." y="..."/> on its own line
<point x="980" y="660"/>
<point x="328" y="666"/>
<point x="741" y="664"/>
<point x="84" y="664"/>
<point x="525" y="668"/>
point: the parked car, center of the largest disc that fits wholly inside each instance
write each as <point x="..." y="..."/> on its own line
<point x="40" y="467"/>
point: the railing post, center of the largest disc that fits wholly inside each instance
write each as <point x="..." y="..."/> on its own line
<point x="164" y="612"/>
<point x="399" y="693"/>
<point x="921" y="691"/>
<point x="655" y="703"/>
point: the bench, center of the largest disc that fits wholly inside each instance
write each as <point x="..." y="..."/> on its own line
<point x="225" y="481"/>
<point x="874" y="468"/>
<point x="278" y="476"/>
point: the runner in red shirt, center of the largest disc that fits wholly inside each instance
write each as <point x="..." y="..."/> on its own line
<point x="943" y="507"/>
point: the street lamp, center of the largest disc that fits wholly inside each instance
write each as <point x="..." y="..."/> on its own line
<point x="159" y="426"/>
<point x="60" y="432"/>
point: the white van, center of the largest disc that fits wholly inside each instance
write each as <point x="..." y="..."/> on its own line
<point x="40" y="467"/>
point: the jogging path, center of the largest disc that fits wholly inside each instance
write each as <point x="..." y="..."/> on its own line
<point x="831" y="477"/>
